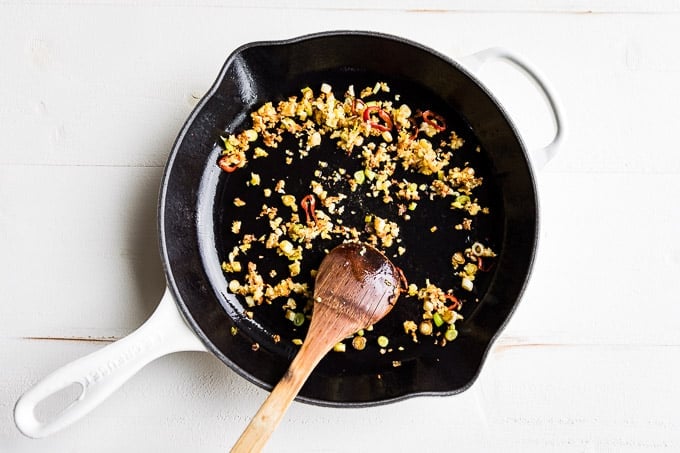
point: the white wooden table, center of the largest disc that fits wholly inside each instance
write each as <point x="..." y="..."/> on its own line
<point x="92" y="95"/>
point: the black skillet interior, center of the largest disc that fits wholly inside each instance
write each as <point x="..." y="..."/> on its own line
<point x="196" y="212"/>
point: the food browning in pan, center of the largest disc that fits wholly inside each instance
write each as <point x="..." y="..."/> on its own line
<point x="365" y="166"/>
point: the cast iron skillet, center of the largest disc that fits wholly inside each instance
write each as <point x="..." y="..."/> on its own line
<point x="193" y="202"/>
<point x="195" y="212"/>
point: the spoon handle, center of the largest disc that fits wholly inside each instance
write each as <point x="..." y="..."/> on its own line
<point x="271" y="412"/>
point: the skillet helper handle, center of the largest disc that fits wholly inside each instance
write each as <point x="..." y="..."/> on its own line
<point x="542" y="156"/>
<point x="102" y="372"/>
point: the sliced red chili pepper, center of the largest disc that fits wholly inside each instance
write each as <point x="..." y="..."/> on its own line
<point x="308" y="203"/>
<point x="386" y="118"/>
<point x="480" y="265"/>
<point x="230" y="162"/>
<point x="435" y="120"/>
<point x="456" y="303"/>
<point x="382" y="114"/>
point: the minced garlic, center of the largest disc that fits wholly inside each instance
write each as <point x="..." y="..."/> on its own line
<point x="386" y="136"/>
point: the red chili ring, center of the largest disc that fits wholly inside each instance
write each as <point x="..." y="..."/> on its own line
<point x="435" y="120"/>
<point x="382" y="114"/>
<point x="456" y="303"/>
<point x="308" y="203"/>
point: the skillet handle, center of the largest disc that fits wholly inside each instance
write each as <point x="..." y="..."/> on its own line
<point x="102" y="372"/>
<point x="542" y="156"/>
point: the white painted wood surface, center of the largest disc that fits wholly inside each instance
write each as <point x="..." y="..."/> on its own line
<point x="92" y="94"/>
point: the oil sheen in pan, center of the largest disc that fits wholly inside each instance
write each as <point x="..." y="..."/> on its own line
<point x="428" y="253"/>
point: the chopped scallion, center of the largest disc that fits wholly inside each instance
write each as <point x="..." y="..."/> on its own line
<point x="437" y="319"/>
<point x="299" y="319"/>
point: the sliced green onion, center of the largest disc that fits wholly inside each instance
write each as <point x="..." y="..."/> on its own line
<point x="460" y="202"/>
<point x="451" y="334"/>
<point x="477" y="249"/>
<point x="299" y="319"/>
<point x="383" y="341"/>
<point x="463" y="199"/>
<point x="437" y="319"/>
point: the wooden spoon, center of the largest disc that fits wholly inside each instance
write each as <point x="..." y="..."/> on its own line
<point x="356" y="286"/>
